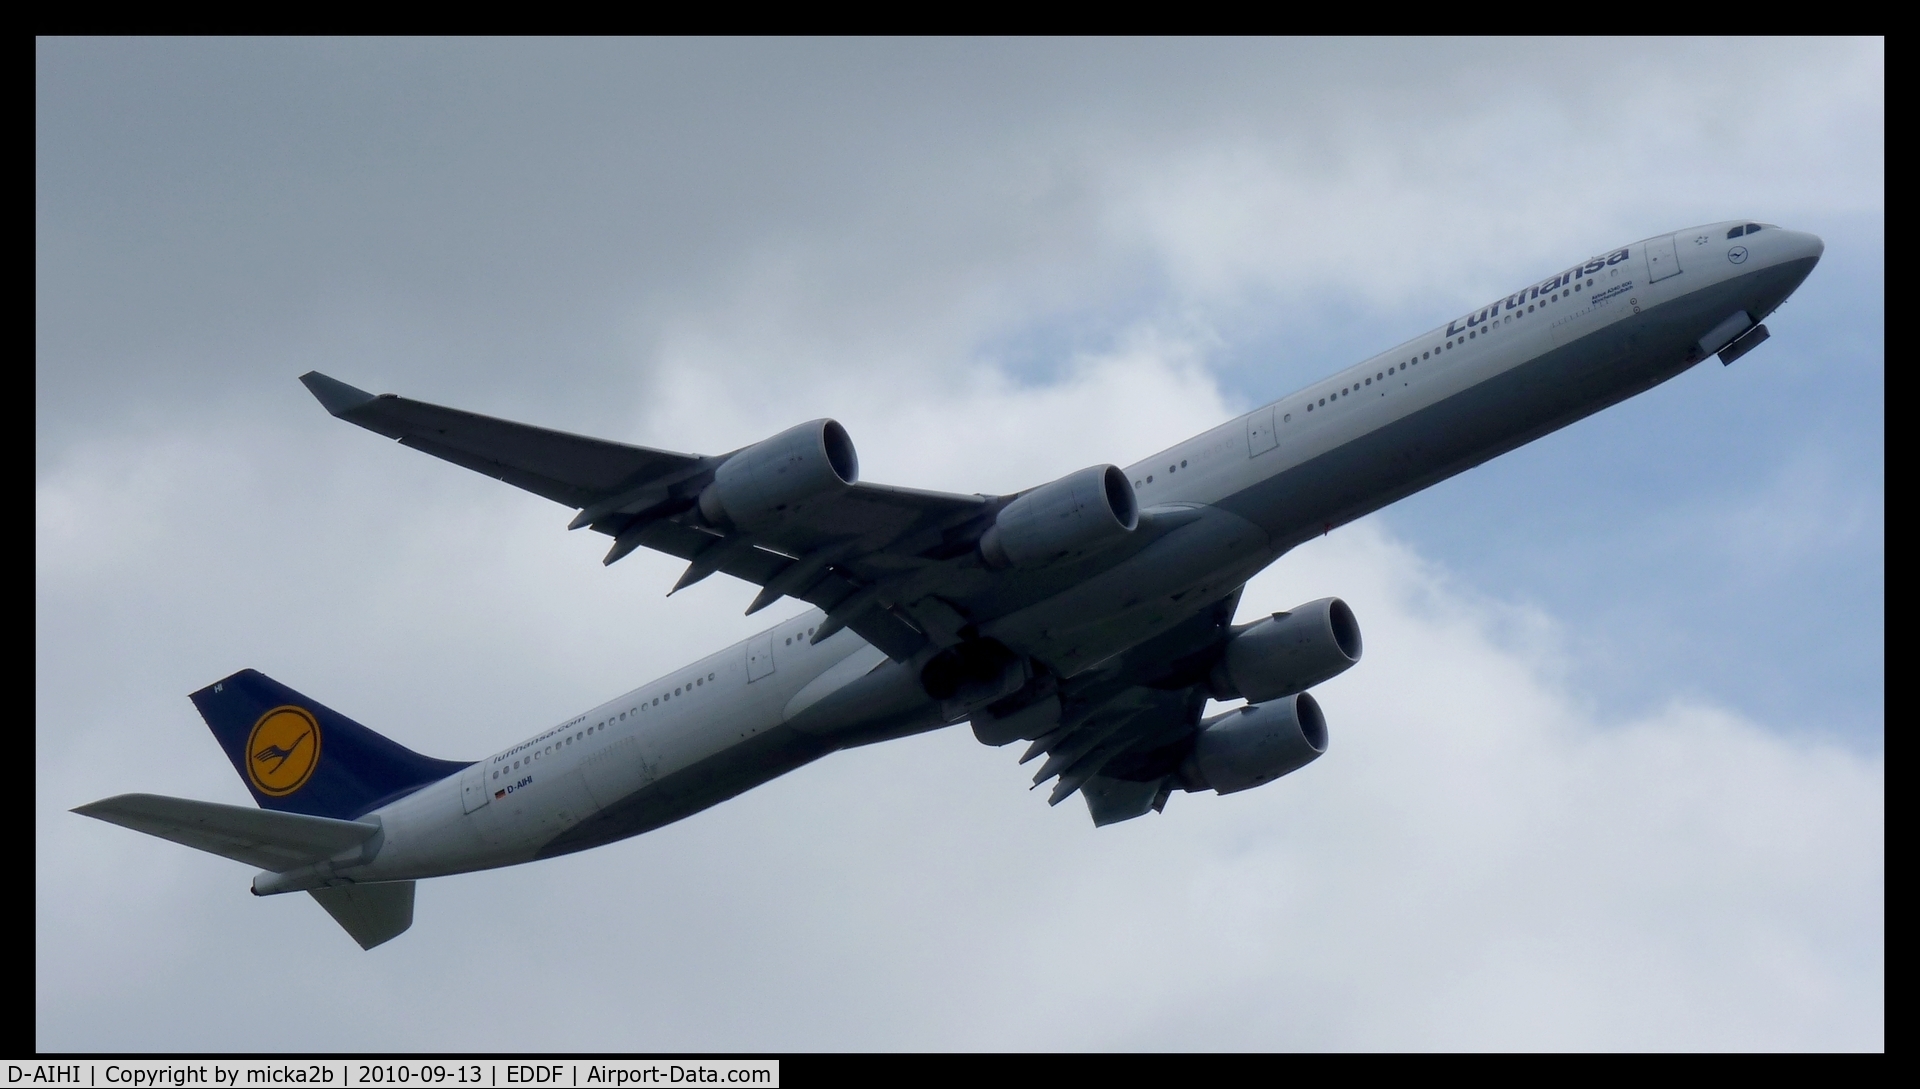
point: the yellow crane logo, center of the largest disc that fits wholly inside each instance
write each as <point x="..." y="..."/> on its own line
<point x="283" y="750"/>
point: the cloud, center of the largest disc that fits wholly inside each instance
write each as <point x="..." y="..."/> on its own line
<point x="1808" y="507"/>
<point x="481" y="212"/>
<point x="1368" y="199"/>
<point x="995" y="263"/>
<point x="1480" y="861"/>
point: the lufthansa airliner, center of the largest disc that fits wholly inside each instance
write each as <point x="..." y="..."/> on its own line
<point x="1090" y="618"/>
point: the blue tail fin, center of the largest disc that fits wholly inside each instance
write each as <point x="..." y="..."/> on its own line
<point x="300" y="757"/>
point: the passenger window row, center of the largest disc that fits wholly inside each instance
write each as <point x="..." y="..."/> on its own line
<point x="1347" y="391"/>
<point x="599" y="727"/>
<point x="1171" y="469"/>
<point x="1472" y="334"/>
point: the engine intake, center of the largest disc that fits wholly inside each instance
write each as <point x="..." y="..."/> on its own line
<point x="1256" y="744"/>
<point x="768" y="481"/>
<point x="1288" y="652"/>
<point x="1080" y="512"/>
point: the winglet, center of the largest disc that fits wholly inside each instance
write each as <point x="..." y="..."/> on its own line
<point x="334" y="395"/>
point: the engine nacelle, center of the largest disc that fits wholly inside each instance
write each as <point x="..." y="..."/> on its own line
<point x="1256" y="744"/>
<point x="768" y="481"/>
<point x="1079" y="512"/>
<point x="1288" y="652"/>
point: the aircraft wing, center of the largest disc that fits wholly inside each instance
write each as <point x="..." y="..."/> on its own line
<point x="570" y="469"/>
<point x="871" y="556"/>
<point x="1125" y="728"/>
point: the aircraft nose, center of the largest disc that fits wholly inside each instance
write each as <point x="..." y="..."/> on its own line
<point x="1800" y="246"/>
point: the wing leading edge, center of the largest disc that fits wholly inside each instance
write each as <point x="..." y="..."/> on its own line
<point x="870" y="555"/>
<point x="570" y="469"/>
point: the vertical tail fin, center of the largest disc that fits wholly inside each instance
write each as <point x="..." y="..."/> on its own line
<point x="299" y="756"/>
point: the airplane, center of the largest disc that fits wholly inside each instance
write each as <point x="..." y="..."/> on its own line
<point x="1091" y="617"/>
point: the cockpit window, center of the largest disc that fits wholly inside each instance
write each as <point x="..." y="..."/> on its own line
<point x="1752" y="227"/>
<point x="1736" y="232"/>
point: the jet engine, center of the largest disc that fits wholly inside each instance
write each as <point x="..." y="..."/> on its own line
<point x="766" y="482"/>
<point x="1288" y="652"/>
<point x="1256" y="744"/>
<point x="1078" y="513"/>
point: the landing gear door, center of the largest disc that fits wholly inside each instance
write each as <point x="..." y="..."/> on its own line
<point x="759" y="657"/>
<point x="473" y="786"/>
<point x="1662" y="260"/>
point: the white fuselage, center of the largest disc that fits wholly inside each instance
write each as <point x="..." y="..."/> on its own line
<point x="1242" y="494"/>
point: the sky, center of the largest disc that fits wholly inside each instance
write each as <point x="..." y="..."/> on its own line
<point x="1610" y="776"/>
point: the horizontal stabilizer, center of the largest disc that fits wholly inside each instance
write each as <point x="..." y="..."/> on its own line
<point x="264" y="838"/>
<point x="370" y="913"/>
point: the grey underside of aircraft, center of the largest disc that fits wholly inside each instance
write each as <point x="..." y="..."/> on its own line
<point x="901" y="567"/>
